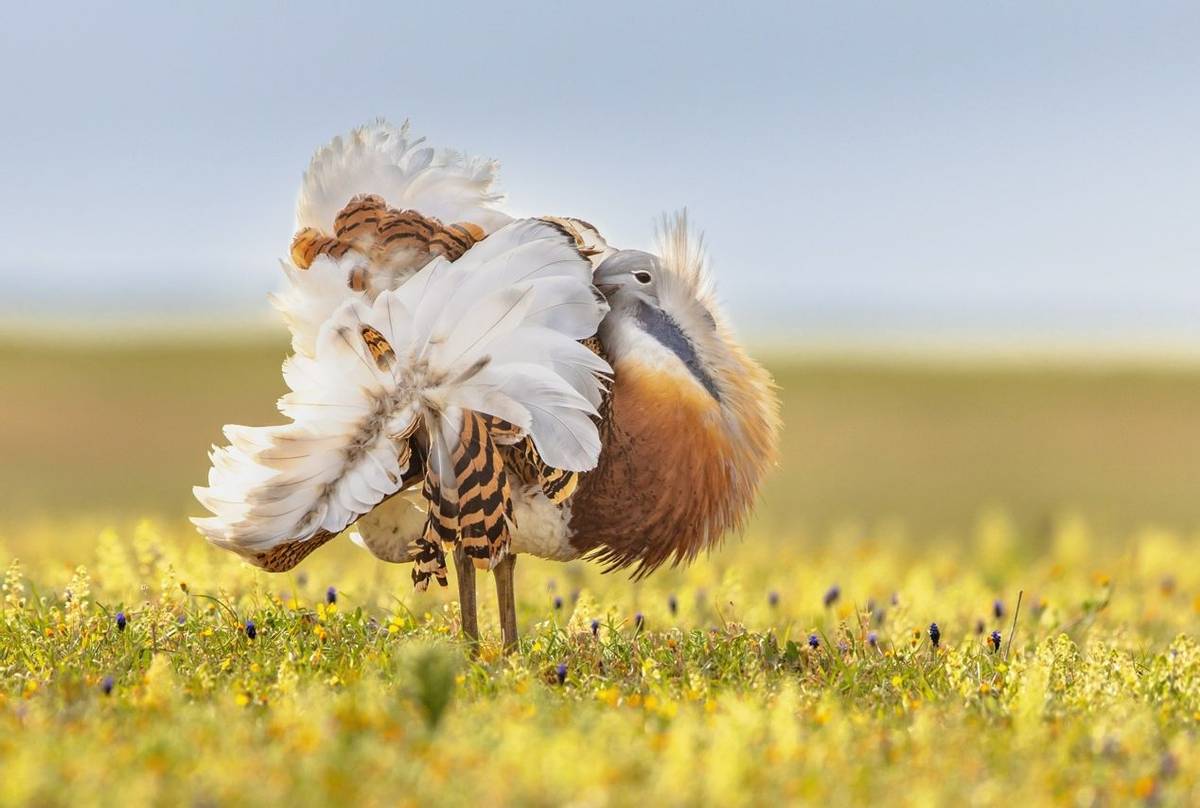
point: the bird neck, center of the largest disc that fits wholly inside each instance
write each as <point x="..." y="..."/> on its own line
<point x="659" y="339"/>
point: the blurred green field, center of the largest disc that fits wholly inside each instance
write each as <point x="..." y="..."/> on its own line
<point x="139" y="666"/>
<point x="120" y="431"/>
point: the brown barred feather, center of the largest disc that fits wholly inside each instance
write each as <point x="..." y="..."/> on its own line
<point x="500" y="430"/>
<point x="452" y="241"/>
<point x="358" y="222"/>
<point x="310" y="243"/>
<point x="556" y="484"/>
<point x="518" y="463"/>
<point x="441" y="527"/>
<point x="393" y="241"/>
<point x="484" y="497"/>
<point x="379" y="348"/>
<point x="283" y="557"/>
<point x="429" y="560"/>
<point x="526" y="465"/>
<point x="594" y="345"/>
<point x="443" y="514"/>
<point x="472" y="230"/>
<point x="404" y="225"/>
<point x="403" y="240"/>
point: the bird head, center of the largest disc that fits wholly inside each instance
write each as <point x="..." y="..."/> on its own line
<point x="664" y="313"/>
<point x="628" y="277"/>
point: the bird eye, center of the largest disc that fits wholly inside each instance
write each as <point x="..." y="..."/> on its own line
<point x="642" y="277"/>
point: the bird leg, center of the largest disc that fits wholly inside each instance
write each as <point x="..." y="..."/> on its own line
<point x="465" y="572"/>
<point x="507" y="601"/>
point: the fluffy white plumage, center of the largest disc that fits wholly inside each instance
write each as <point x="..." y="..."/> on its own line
<point x="383" y="159"/>
<point x="494" y="332"/>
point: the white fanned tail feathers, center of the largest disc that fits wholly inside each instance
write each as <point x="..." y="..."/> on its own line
<point x="421" y="385"/>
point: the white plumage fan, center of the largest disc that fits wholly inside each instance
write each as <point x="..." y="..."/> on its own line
<point x="453" y="345"/>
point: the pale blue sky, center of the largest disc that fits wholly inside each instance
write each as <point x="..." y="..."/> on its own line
<point x="941" y="168"/>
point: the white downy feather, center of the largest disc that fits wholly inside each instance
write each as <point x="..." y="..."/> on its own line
<point x="492" y="332"/>
<point x="383" y="159"/>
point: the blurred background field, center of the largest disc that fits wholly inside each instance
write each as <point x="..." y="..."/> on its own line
<point x="113" y="430"/>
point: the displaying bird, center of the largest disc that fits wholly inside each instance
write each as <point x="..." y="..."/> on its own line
<point x="469" y="381"/>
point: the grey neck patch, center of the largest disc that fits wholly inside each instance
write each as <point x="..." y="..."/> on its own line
<point x="658" y="324"/>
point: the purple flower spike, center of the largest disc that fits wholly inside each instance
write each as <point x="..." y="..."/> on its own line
<point x="935" y="634"/>
<point x="994" y="640"/>
<point x="832" y="595"/>
<point x="106" y="685"/>
<point x="121" y="621"/>
<point x="814" y="642"/>
<point x="561" y="672"/>
<point x="251" y="629"/>
<point x="331" y="595"/>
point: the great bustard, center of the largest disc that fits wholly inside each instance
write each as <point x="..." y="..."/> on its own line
<point x="493" y="385"/>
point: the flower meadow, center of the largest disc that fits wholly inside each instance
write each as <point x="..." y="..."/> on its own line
<point x="863" y="665"/>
